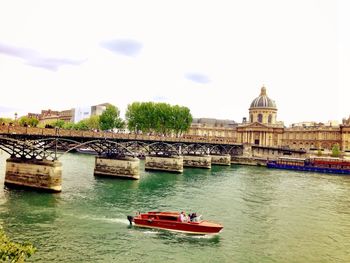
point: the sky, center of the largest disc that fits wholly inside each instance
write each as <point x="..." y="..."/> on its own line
<point x="210" y="56"/>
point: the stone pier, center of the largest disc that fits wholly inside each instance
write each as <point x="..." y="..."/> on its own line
<point x="199" y="161"/>
<point x="249" y="160"/>
<point x="221" y="159"/>
<point x="126" y="167"/>
<point x="162" y="163"/>
<point x="35" y="174"/>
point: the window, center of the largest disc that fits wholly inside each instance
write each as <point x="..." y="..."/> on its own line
<point x="270" y="119"/>
<point x="251" y="117"/>
<point x="260" y="117"/>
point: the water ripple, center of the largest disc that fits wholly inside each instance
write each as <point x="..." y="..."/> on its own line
<point x="268" y="216"/>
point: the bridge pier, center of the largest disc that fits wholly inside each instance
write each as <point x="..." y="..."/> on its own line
<point x="163" y="163"/>
<point x="199" y="161"/>
<point x="221" y="159"/>
<point x="42" y="175"/>
<point x="126" y="167"/>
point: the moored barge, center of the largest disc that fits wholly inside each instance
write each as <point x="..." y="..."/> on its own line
<point x="314" y="164"/>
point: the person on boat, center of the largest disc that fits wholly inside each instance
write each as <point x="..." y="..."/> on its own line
<point x="193" y="217"/>
<point x="183" y="217"/>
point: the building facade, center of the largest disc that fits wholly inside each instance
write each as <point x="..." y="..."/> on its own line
<point x="49" y="116"/>
<point x="81" y="113"/>
<point x="264" y="130"/>
<point x="72" y="115"/>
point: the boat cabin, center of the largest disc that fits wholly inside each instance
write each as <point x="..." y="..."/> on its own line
<point x="331" y="162"/>
<point x="168" y="216"/>
<point x="291" y="161"/>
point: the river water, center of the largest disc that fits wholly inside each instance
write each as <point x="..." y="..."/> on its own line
<point x="268" y="215"/>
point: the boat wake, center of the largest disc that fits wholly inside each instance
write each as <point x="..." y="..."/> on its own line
<point x="114" y="220"/>
<point x="151" y="232"/>
<point x="102" y="219"/>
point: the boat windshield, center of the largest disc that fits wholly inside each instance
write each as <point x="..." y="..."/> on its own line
<point x="167" y="217"/>
<point x="197" y="218"/>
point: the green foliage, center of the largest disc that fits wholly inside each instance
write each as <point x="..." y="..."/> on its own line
<point x="68" y="125"/>
<point x="86" y="124"/>
<point x="160" y="118"/>
<point x="25" y="120"/>
<point x="93" y="122"/>
<point x="81" y="125"/>
<point x="14" y="252"/>
<point x="110" y="119"/>
<point x="319" y="152"/>
<point x="6" y="120"/>
<point x="335" y="150"/>
<point x="58" y="124"/>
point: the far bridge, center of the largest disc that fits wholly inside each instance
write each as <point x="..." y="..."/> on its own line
<point x="35" y="153"/>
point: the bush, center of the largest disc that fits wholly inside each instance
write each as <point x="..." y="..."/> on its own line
<point x="14" y="252"/>
<point x="335" y="150"/>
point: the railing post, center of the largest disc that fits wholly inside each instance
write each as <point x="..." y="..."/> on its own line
<point x="55" y="149"/>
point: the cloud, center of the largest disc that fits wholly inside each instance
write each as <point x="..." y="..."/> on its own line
<point x="33" y="58"/>
<point x="16" y="52"/>
<point x="197" y="77"/>
<point x="126" y="47"/>
<point x="53" y="63"/>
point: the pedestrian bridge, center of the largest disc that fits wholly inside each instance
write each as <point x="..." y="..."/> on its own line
<point x="35" y="152"/>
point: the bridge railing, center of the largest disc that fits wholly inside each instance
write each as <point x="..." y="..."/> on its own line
<point x="46" y="132"/>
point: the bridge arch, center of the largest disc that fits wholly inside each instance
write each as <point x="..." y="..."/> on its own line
<point x="162" y="149"/>
<point x="104" y="147"/>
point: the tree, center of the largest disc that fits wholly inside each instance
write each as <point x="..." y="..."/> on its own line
<point x="14" y="252"/>
<point x="6" y="120"/>
<point x="69" y="125"/>
<point x="110" y="119"/>
<point x="160" y="118"/>
<point x="132" y="116"/>
<point x="58" y="124"/>
<point x="81" y="125"/>
<point x="93" y="122"/>
<point x="25" y="121"/>
<point x="335" y="150"/>
<point x="182" y="119"/>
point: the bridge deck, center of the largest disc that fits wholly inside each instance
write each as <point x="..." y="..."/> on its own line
<point x="19" y="131"/>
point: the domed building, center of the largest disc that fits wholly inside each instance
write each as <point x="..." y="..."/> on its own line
<point x="263" y="109"/>
<point x="262" y="128"/>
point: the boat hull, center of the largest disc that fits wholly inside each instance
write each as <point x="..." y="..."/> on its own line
<point x="308" y="168"/>
<point x="170" y="221"/>
<point x="189" y="228"/>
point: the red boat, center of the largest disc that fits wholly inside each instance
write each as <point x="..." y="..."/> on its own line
<point x="171" y="221"/>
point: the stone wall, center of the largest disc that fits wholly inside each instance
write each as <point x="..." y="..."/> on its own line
<point x="170" y="164"/>
<point x="221" y="159"/>
<point x="127" y="167"/>
<point x="199" y="161"/>
<point x="248" y="160"/>
<point x="37" y="174"/>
